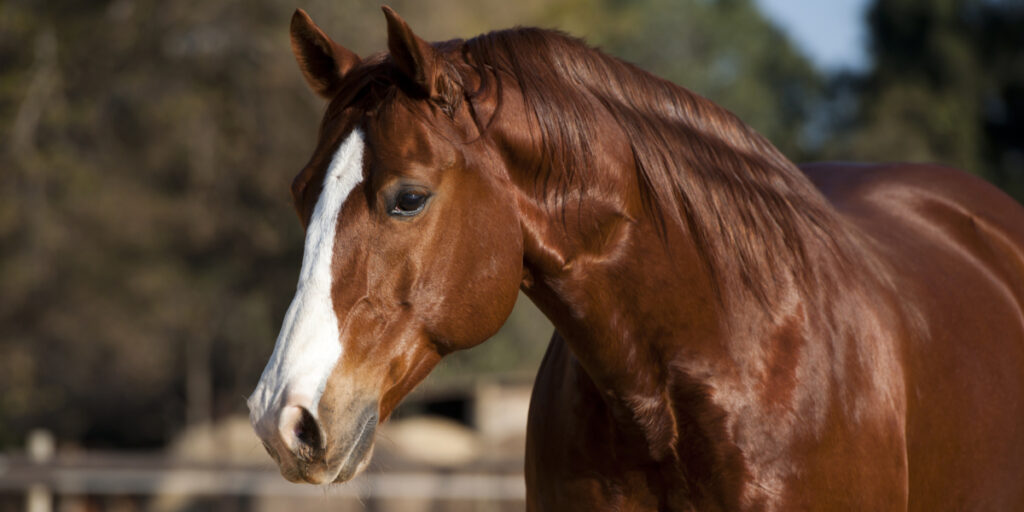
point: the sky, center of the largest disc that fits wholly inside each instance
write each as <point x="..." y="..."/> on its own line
<point x="830" y="32"/>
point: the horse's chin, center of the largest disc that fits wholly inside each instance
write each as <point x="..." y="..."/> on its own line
<point x="354" y="469"/>
<point x="356" y="454"/>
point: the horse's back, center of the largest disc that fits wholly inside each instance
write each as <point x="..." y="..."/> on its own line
<point x="954" y="248"/>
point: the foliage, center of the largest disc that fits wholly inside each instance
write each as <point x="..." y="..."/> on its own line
<point x="946" y="85"/>
<point x="143" y="220"/>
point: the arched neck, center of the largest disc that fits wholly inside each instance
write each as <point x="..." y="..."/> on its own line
<point x="625" y="301"/>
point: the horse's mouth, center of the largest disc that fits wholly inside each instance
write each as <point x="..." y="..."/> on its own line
<point x="357" y="457"/>
<point x="318" y="464"/>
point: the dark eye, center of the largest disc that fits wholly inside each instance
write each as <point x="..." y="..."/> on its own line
<point x="409" y="203"/>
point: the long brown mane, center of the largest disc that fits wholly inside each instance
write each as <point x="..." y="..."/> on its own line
<point x="750" y="211"/>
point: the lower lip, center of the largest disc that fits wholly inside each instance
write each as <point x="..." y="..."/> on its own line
<point x="359" y="449"/>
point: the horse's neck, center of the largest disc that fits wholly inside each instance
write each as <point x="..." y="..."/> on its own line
<point x="636" y="301"/>
<point x="627" y="312"/>
<point x="646" y="323"/>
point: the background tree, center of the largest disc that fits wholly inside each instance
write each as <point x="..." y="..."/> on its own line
<point x="946" y="84"/>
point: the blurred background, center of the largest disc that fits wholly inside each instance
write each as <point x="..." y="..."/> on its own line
<point x="148" y="248"/>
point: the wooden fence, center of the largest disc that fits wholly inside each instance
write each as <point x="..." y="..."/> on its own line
<point x="107" y="481"/>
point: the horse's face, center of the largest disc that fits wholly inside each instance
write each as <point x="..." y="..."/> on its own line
<point x="413" y="249"/>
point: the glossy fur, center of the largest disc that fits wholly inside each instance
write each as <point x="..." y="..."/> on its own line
<point x="733" y="332"/>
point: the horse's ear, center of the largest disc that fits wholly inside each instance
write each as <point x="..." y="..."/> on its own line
<point x="415" y="58"/>
<point x="322" y="61"/>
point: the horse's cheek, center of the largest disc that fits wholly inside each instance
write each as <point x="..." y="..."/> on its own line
<point x="485" y="273"/>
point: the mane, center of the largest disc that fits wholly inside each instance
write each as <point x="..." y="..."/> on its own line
<point x="755" y="218"/>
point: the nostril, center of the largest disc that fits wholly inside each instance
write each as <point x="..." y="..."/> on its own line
<point x="307" y="431"/>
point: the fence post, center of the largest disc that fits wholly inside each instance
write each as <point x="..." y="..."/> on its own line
<point x="40" y="447"/>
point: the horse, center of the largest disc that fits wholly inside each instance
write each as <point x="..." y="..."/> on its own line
<point x="732" y="331"/>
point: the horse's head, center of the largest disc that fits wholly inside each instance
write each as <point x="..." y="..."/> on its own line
<point x="413" y="249"/>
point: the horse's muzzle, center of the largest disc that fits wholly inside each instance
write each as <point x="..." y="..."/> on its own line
<point x="306" y="451"/>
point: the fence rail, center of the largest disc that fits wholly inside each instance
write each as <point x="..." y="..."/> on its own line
<point x="43" y="482"/>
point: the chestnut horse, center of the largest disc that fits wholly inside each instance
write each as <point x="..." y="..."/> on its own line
<point x="733" y="332"/>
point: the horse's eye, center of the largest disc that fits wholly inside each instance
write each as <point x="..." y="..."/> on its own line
<point x="409" y="203"/>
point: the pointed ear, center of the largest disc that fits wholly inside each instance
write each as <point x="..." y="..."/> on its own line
<point x="415" y="58"/>
<point x="322" y="61"/>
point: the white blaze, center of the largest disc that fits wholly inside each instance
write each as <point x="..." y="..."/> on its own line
<point x="308" y="345"/>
